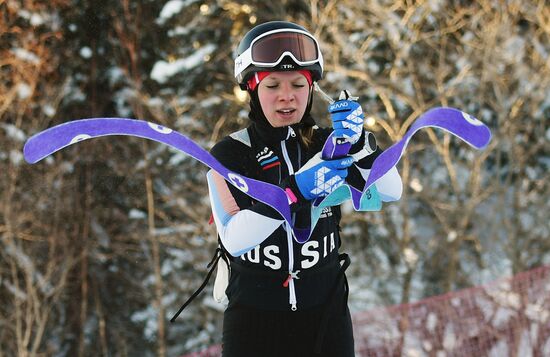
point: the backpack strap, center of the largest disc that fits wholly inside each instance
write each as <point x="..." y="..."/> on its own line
<point x="242" y="136"/>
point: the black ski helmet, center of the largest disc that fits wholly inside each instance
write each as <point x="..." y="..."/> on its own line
<point x="277" y="46"/>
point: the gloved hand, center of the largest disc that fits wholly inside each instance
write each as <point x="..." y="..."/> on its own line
<point x="320" y="177"/>
<point x="347" y="117"/>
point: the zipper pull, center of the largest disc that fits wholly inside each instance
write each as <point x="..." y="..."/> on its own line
<point x="292" y="133"/>
<point x="291" y="275"/>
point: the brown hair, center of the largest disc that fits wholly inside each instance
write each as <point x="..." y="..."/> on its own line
<point x="306" y="136"/>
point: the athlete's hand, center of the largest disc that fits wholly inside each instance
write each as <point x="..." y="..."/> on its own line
<point x="347" y="117"/>
<point x="318" y="177"/>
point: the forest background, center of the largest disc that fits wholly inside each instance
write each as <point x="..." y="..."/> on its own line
<point x="102" y="242"/>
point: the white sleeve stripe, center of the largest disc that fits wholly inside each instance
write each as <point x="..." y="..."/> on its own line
<point x="240" y="231"/>
<point x="390" y="186"/>
<point x="246" y="230"/>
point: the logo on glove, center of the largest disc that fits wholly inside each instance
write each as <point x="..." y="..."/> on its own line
<point x="322" y="187"/>
<point x="338" y="105"/>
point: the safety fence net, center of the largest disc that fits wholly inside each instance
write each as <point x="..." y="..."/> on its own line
<point x="508" y="317"/>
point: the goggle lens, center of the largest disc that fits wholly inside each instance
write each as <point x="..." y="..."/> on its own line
<point x="270" y="48"/>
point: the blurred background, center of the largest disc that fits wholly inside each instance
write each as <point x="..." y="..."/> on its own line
<point x="102" y="242"/>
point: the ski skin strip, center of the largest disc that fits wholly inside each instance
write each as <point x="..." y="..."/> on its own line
<point x="51" y="140"/>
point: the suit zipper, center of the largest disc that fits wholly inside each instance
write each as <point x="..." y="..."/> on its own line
<point x="289" y="282"/>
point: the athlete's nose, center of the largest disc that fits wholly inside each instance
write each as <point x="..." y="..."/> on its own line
<point x="286" y="93"/>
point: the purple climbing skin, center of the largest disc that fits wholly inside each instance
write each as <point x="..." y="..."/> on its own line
<point x="49" y="141"/>
<point x="58" y="137"/>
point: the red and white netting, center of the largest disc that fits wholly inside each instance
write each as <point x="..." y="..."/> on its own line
<point x="510" y="317"/>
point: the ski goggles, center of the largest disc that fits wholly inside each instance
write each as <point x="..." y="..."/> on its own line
<point x="270" y="48"/>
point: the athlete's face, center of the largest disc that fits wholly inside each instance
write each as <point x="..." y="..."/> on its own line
<point x="283" y="97"/>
